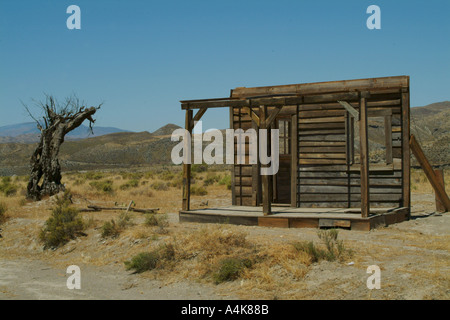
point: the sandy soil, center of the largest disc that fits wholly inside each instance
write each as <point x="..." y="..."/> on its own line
<point x="414" y="257"/>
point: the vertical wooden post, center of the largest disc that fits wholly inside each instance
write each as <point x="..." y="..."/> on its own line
<point x="388" y="137"/>
<point x="187" y="166"/>
<point x="352" y="140"/>
<point x="233" y="167"/>
<point x="255" y="168"/>
<point x="348" y="142"/>
<point x="274" y="184"/>
<point x="364" y="155"/>
<point x="266" y="194"/>
<point x="406" y="156"/>
<point x="440" y="178"/>
<point x="294" y="159"/>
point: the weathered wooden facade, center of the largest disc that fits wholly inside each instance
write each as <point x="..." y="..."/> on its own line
<point x="325" y="163"/>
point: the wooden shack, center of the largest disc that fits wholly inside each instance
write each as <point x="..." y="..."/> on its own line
<point x="326" y="177"/>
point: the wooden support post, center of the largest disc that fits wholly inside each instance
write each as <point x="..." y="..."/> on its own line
<point x="440" y="178"/>
<point x="388" y="137"/>
<point x="426" y="166"/>
<point x="266" y="194"/>
<point x="233" y="167"/>
<point x="255" y="169"/>
<point x="364" y="155"/>
<point x="187" y="166"/>
<point x="294" y="159"/>
<point x="406" y="154"/>
<point x="273" y="183"/>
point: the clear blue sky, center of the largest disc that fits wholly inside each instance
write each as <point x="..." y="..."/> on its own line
<point x="142" y="57"/>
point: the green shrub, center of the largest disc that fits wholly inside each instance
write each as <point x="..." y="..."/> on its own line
<point x="146" y="261"/>
<point x="7" y="187"/>
<point x="230" y="269"/>
<point x="143" y="262"/>
<point x="113" y="229"/>
<point x="63" y="225"/>
<point x="334" y="248"/>
<point x="124" y="220"/>
<point x="167" y="176"/>
<point x="110" y="229"/>
<point x="311" y="250"/>
<point x="149" y="174"/>
<point x="160" y="220"/>
<point x="130" y="184"/>
<point x="160" y="185"/>
<point x="211" y="179"/>
<point x="132" y="175"/>
<point x="226" y="180"/>
<point x="198" y="191"/>
<point x="105" y="186"/>
<point x="92" y="175"/>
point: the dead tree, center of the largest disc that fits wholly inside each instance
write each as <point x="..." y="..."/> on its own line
<point x="58" y="120"/>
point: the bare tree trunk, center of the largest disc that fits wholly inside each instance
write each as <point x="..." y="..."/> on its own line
<point x="44" y="161"/>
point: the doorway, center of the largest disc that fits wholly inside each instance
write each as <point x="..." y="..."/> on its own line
<point x="282" y="180"/>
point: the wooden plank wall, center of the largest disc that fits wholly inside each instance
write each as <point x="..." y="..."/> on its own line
<point x="325" y="176"/>
<point x="243" y="174"/>
<point x="323" y="179"/>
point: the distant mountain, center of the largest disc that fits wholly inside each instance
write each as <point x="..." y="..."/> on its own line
<point x="116" y="150"/>
<point x="166" y="130"/>
<point x="431" y="108"/>
<point x="15" y="130"/>
<point x="29" y="133"/>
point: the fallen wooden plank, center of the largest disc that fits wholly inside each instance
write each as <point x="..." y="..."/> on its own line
<point x="98" y="208"/>
<point x="88" y="210"/>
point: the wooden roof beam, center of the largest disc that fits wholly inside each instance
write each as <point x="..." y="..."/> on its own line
<point x="271" y="101"/>
<point x="325" y="87"/>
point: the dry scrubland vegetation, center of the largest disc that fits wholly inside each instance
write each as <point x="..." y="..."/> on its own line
<point x="248" y="261"/>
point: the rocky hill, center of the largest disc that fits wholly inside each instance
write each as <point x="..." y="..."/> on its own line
<point x="123" y="149"/>
<point x="431" y="127"/>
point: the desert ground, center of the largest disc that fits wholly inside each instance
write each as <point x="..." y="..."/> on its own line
<point x="190" y="258"/>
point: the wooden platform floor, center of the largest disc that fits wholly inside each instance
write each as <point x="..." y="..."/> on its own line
<point x="287" y="217"/>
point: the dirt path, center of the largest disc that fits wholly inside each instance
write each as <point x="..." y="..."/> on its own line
<point x="36" y="280"/>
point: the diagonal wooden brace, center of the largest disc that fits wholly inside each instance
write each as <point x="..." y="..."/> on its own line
<point x="350" y="109"/>
<point x="426" y="166"/>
